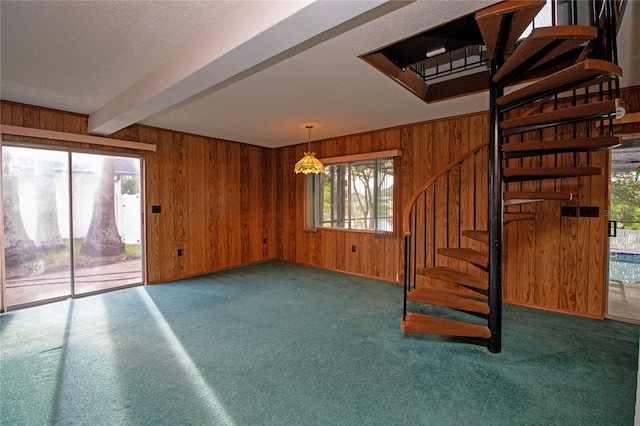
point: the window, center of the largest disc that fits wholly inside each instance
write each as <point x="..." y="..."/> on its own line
<point x="354" y="195"/>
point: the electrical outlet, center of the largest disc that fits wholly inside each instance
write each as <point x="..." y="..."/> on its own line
<point x="179" y="252"/>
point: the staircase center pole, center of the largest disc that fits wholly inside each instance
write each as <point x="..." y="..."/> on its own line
<point x="495" y="210"/>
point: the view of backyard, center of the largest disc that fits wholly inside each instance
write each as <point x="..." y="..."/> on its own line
<point x="53" y="197"/>
<point x="624" y="246"/>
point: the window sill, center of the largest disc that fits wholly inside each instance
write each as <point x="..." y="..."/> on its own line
<point x="357" y="231"/>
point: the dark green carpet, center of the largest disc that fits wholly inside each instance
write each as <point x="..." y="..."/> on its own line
<point x="288" y="345"/>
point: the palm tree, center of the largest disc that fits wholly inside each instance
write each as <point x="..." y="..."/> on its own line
<point x="47" y="233"/>
<point x="18" y="247"/>
<point x="102" y="237"/>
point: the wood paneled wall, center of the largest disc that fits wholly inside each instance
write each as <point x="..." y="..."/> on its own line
<point x="329" y="248"/>
<point x="426" y="148"/>
<point x="631" y="98"/>
<point x="560" y="262"/>
<point x="217" y="197"/>
<point x="556" y="263"/>
<point x="564" y="259"/>
<point x="220" y="200"/>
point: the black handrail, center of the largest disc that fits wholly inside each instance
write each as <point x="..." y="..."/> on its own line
<point x="423" y="205"/>
<point x="421" y="221"/>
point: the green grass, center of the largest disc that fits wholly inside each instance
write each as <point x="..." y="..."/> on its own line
<point x="131" y="251"/>
<point x="58" y="260"/>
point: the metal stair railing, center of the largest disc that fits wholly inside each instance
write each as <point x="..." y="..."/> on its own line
<point x="603" y="15"/>
<point x="428" y="221"/>
<point x="454" y="62"/>
<point x="434" y="217"/>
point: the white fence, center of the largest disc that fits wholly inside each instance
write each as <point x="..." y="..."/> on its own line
<point x="127" y="209"/>
<point x="626" y="240"/>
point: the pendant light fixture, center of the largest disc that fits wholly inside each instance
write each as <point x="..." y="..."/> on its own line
<point x="309" y="163"/>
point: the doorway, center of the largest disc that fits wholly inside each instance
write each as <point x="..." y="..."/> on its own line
<point x="623" y="300"/>
<point x="72" y="224"/>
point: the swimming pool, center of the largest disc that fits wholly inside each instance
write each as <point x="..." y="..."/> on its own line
<point x="624" y="266"/>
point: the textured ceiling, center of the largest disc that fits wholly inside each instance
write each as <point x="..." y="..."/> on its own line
<point x="262" y="88"/>
<point x="76" y="56"/>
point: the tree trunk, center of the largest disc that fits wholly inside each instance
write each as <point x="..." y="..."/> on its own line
<point x="103" y="238"/>
<point x="18" y="247"/>
<point x="47" y="233"/>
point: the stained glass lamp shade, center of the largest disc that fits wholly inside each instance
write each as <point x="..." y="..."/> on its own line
<point x="309" y="163"/>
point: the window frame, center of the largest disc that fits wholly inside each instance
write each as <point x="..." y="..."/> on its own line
<point x="314" y="192"/>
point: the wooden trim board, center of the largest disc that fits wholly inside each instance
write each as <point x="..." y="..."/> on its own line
<point x="361" y="157"/>
<point x="74" y="137"/>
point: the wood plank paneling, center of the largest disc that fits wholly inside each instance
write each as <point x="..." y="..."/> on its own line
<point x="222" y="200"/>
<point x="201" y="204"/>
<point x="598" y="249"/>
<point x="151" y="198"/>
<point x="568" y="240"/>
<point x="167" y="266"/>
<point x="213" y="207"/>
<point x="554" y="262"/>
<point x="422" y="155"/>
<point x="223" y="204"/>
<point x="569" y="253"/>
<point x="234" y="222"/>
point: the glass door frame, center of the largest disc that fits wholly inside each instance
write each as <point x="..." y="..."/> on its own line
<point x="612" y="228"/>
<point x="2" y="268"/>
<point x="72" y="294"/>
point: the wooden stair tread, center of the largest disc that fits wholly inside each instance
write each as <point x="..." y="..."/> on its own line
<point x="444" y="273"/>
<point x="520" y="197"/>
<point x="482" y="236"/>
<point x="456" y="289"/>
<point x="523" y="149"/>
<point x="545" y="44"/>
<point x="590" y="111"/>
<point x="435" y="297"/>
<point x="466" y="254"/>
<point x="490" y="22"/>
<point x="514" y="217"/>
<point x="512" y="174"/>
<point x="583" y="74"/>
<point x="425" y="324"/>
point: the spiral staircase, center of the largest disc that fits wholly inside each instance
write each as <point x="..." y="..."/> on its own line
<point x="453" y="258"/>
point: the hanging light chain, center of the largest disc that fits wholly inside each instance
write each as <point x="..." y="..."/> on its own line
<point x="309" y="126"/>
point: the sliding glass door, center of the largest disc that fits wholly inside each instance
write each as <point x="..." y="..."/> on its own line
<point x="623" y="300"/>
<point x="35" y="199"/>
<point x="106" y="222"/>
<point x="72" y="223"/>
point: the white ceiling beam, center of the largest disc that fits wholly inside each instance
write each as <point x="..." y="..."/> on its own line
<point x="249" y="36"/>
